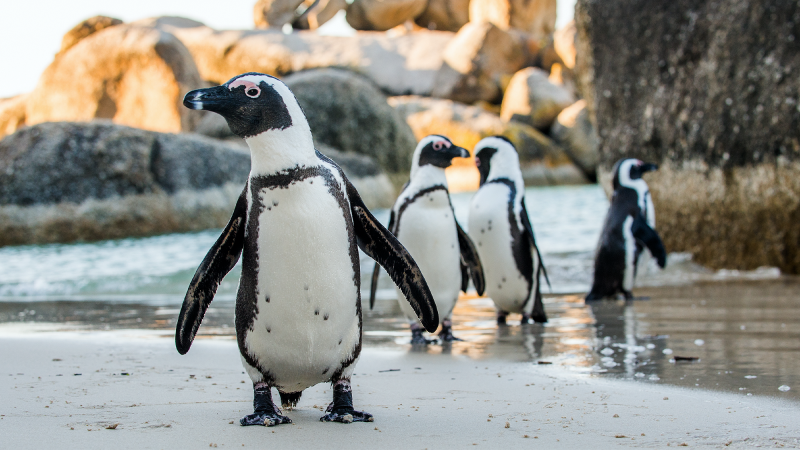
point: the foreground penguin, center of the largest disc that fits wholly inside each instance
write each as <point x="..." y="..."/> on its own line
<point x="627" y="230"/>
<point x="423" y="220"/>
<point x="500" y="228"/>
<point x="298" y="225"/>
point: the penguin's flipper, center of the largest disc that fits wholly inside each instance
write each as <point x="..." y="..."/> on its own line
<point x="642" y="231"/>
<point x="224" y="254"/>
<point x="526" y="222"/>
<point x="376" y="271"/>
<point x="470" y="260"/>
<point x="381" y="245"/>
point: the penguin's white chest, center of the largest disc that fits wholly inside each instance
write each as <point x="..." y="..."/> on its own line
<point x="427" y="229"/>
<point x="490" y="231"/>
<point x="306" y="322"/>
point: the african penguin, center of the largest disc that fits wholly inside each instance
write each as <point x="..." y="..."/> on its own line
<point x="501" y="229"/>
<point x="424" y="222"/>
<point x="298" y="225"/>
<point x="627" y="230"/>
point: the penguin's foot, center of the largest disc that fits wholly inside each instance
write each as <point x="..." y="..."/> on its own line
<point x="533" y="318"/>
<point x="341" y="408"/>
<point x="267" y="419"/>
<point x="417" y="338"/>
<point x="446" y="335"/>
<point x="628" y="295"/>
<point x="265" y="412"/>
<point x="501" y="317"/>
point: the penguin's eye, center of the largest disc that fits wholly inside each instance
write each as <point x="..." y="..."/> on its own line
<point x="253" y="92"/>
<point x="437" y="145"/>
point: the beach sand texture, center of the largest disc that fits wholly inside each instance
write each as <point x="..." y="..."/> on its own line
<point x="136" y="383"/>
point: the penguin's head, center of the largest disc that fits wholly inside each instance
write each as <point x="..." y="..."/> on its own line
<point x="496" y="152"/>
<point x="437" y="151"/>
<point x="251" y="103"/>
<point x="627" y="171"/>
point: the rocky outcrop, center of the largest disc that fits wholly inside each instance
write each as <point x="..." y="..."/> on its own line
<point x="543" y="163"/>
<point x="86" y="28"/>
<point x="534" y="17"/>
<point x="130" y="74"/>
<point x="399" y="65"/>
<point x="478" y="62"/>
<point x="349" y="113"/>
<point x="564" y="44"/>
<point x="532" y="99"/>
<point x="574" y="132"/>
<point x="274" y="13"/>
<point x="381" y="15"/>
<point x="318" y="12"/>
<point x="12" y="114"/>
<point x="444" y="15"/>
<point x="684" y="85"/>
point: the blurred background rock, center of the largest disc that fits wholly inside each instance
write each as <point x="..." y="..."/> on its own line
<point x="674" y="83"/>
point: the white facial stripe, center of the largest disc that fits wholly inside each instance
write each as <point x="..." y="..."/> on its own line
<point x="638" y="185"/>
<point x="433" y="138"/>
<point x="504" y="163"/>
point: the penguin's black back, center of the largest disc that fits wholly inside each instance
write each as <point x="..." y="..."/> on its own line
<point x="609" y="264"/>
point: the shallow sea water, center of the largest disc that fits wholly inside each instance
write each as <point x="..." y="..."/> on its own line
<point x="741" y="330"/>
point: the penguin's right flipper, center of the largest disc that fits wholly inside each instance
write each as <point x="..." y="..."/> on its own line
<point x="376" y="271"/>
<point x="470" y="261"/>
<point x="217" y="263"/>
<point x="381" y="245"/>
<point x="642" y="231"/>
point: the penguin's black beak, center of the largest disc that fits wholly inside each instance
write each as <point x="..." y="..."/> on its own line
<point x="216" y="99"/>
<point x="455" y="151"/>
<point x="649" y="167"/>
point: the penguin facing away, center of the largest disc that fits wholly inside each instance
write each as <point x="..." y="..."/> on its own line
<point x="502" y="232"/>
<point x="297" y="225"/>
<point x="424" y="222"/>
<point x="627" y="230"/>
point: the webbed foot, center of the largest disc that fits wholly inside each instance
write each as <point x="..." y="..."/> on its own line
<point x="446" y="335"/>
<point x="501" y="317"/>
<point x="417" y="338"/>
<point x="265" y="412"/>
<point x="264" y="418"/>
<point x="341" y="408"/>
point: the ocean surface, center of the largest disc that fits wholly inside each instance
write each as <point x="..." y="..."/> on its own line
<point x="730" y="330"/>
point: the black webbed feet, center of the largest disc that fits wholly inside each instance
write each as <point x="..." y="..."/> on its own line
<point x="417" y="338"/>
<point x="501" y="317"/>
<point x="341" y="409"/>
<point x="267" y="419"/>
<point x="446" y="335"/>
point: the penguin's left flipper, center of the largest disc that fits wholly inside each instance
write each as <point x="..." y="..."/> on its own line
<point x="217" y="263"/>
<point x="376" y="271"/>
<point x="381" y="245"/>
<point x="642" y="231"/>
<point x="470" y="261"/>
<point x="526" y="222"/>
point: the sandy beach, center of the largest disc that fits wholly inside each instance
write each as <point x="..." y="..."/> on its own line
<point x="70" y="388"/>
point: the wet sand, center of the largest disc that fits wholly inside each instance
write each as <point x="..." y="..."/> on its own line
<point x="136" y="381"/>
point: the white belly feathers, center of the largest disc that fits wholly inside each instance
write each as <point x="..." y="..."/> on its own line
<point x="306" y="323"/>
<point x="489" y="230"/>
<point x="427" y="229"/>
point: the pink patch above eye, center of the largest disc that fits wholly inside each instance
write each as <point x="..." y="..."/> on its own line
<point x="248" y="85"/>
<point x="477" y="162"/>
<point x="438" y="145"/>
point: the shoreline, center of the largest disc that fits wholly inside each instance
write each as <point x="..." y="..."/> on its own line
<point x="433" y="400"/>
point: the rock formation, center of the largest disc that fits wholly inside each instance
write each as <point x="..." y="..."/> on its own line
<point x="534" y="17"/>
<point x="381" y="15"/>
<point x="709" y="90"/>
<point x="532" y="99"/>
<point x="130" y="74"/>
<point x="444" y="15"/>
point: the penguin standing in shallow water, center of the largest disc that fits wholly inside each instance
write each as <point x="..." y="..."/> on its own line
<point x="500" y="228"/>
<point x="627" y="230"/>
<point x="424" y="222"/>
<point x="298" y="225"/>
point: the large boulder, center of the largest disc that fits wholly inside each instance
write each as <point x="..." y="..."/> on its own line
<point x="381" y="15"/>
<point x="132" y="75"/>
<point x="532" y="99"/>
<point x="12" y="114"/>
<point x="85" y="29"/>
<point x="445" y="15"/>
<point x="709" y="90"/>
<point x="574" y="132"/>
<point x="534" y="17"/>
<point x="318" y="12"/>
<point x="275" y="13"/>
<point x="564" y="44"/>
<point x="64" y="181"/>
<point x="543" y="162"/>
<point x="399" y="65"/>
<point x="479" y="62"/>
<point x="348" y="112"/>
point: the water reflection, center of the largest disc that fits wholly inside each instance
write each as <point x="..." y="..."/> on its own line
<point x="736" y="336"/>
